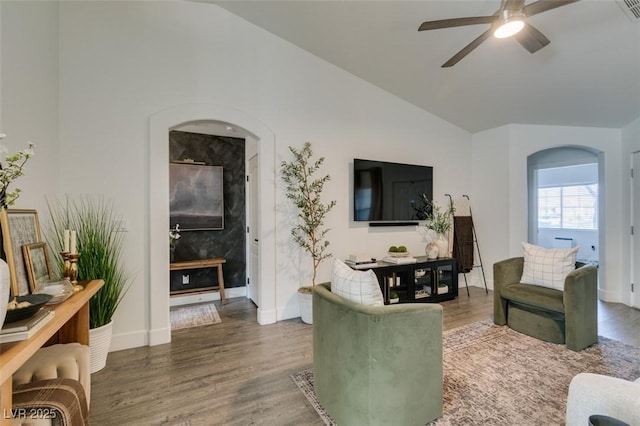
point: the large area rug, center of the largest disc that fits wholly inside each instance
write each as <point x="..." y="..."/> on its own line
<point x="195" y="315"/>
<point x="496" y="376"/>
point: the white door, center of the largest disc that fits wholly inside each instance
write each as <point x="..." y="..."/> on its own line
<point x="253" y="289"/>
<point x="635" y="222"/>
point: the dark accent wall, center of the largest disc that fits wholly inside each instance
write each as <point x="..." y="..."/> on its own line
<point x="230" y="242"/>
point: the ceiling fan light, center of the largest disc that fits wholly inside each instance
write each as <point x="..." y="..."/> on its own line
<point x="509" y="28"/>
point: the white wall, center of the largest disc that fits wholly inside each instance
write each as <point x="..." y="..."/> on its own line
<point x="631" y="144"/>
<point x="513" y="144"/>
<point x="631" y="137"/>
<point x="122" y="62"/>
<point x="491" y="196"/>
<point x="29" y="102"/>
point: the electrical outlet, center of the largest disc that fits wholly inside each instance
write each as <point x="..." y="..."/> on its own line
<point x="185" y="279"/>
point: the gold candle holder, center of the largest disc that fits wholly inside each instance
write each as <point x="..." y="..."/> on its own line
<point x="66" y="265"/>
<point x="71" y="269"/>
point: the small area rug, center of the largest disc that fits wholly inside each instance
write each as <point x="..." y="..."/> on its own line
<point x="195" y="315"/>
<point x="496" y="376"/>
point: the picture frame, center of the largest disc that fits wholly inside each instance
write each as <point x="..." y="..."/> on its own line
<point x="196" y="196"/>
<point x="19" y="227"/>
<point x="38" y="265"/>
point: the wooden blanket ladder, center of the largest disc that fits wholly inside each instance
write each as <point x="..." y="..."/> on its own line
<point x="473" y="242"/>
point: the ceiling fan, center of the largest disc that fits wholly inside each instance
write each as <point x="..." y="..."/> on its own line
<point x="509" y="20"/>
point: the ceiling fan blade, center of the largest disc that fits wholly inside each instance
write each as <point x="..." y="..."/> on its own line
<point x="531" y="39"/>
<point x="544" y="5"/>
<point x="456" y="22"/>
<point x="467" y="49"/>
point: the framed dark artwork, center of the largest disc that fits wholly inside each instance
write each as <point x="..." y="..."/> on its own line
<point x="36" y="257"/>
<point x="19" y="228"/>
<point x="196" y="197"/>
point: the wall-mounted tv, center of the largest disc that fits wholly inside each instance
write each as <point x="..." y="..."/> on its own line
<point x="196" y="197"/>
<point x="390" y="192"/>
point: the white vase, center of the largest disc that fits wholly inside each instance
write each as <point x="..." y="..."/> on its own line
<point x="4" y="289"/>
<point x="99" y="343"/>
<point x="443" y="245"/>
<point x="306" y="307"/>
<point x="432" y="250"/>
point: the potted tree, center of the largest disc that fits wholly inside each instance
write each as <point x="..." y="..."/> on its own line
<point x="304" y="189"/>
<point x="100" y="244"/>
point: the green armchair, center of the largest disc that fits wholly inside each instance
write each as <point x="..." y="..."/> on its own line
<point x="377" y="365"/>
<point x="569" y="316"/>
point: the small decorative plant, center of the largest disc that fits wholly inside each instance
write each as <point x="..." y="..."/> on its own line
<point x="174" y="235"/>
<point x="11" y="169"/>
<point x="438" y="221"/>
<point x="422" y="208"/>
<point x="305" y="191"/>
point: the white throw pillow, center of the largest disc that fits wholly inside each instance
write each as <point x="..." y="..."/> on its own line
<point x="547" y="267"/>
<point x="359" y="286"/>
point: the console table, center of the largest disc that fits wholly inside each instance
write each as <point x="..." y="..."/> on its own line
<point x="69" y="324"/>
<point x="426" y="280"/>
<point x="200" y="264"/>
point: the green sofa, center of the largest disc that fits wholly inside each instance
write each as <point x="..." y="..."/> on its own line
<point x="569" y="316"/>
<point x="377" y="365"/>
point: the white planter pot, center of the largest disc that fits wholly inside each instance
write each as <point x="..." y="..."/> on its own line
<point x="4" y="289"/>
<point x="306" y="307"/>
<point x="99" y="343"/>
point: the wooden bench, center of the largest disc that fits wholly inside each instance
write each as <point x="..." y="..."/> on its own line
<point x="199" y="264"/>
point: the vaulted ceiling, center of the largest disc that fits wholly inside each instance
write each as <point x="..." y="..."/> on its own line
<point x="589" y="75"/>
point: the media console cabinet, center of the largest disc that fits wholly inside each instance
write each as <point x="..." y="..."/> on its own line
<point x="426" y="280"/>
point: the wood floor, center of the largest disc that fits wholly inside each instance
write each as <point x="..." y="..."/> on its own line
<point x="237" y="372"/>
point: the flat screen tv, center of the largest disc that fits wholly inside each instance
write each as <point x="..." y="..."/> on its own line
<point x="390" y="192"/>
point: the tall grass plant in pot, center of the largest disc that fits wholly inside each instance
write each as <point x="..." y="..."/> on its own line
<point x="304" y="189"/>
<point x="100" y="244"/>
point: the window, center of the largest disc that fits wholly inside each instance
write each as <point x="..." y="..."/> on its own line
<point x="568" y="207"/>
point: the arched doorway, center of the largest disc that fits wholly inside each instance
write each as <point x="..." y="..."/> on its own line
<point x="158" y="208"/>
<point x="565" y="198"/>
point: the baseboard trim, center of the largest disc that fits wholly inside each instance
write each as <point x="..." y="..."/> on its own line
<point x="158" y="336"/>
<point x="266" y="317"/>
<point x="210" y="296"/>
<point x="129" y="340"/>
<point x="609" y="296"/>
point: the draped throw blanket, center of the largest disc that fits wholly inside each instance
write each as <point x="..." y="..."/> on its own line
<point x="463" y="242"/>
<point x="61" y="400"/>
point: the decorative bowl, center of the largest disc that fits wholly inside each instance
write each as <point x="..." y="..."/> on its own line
<point x="398" y="254"/>
<point x="36" y="301"/>
<point x="59" y="290"/>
